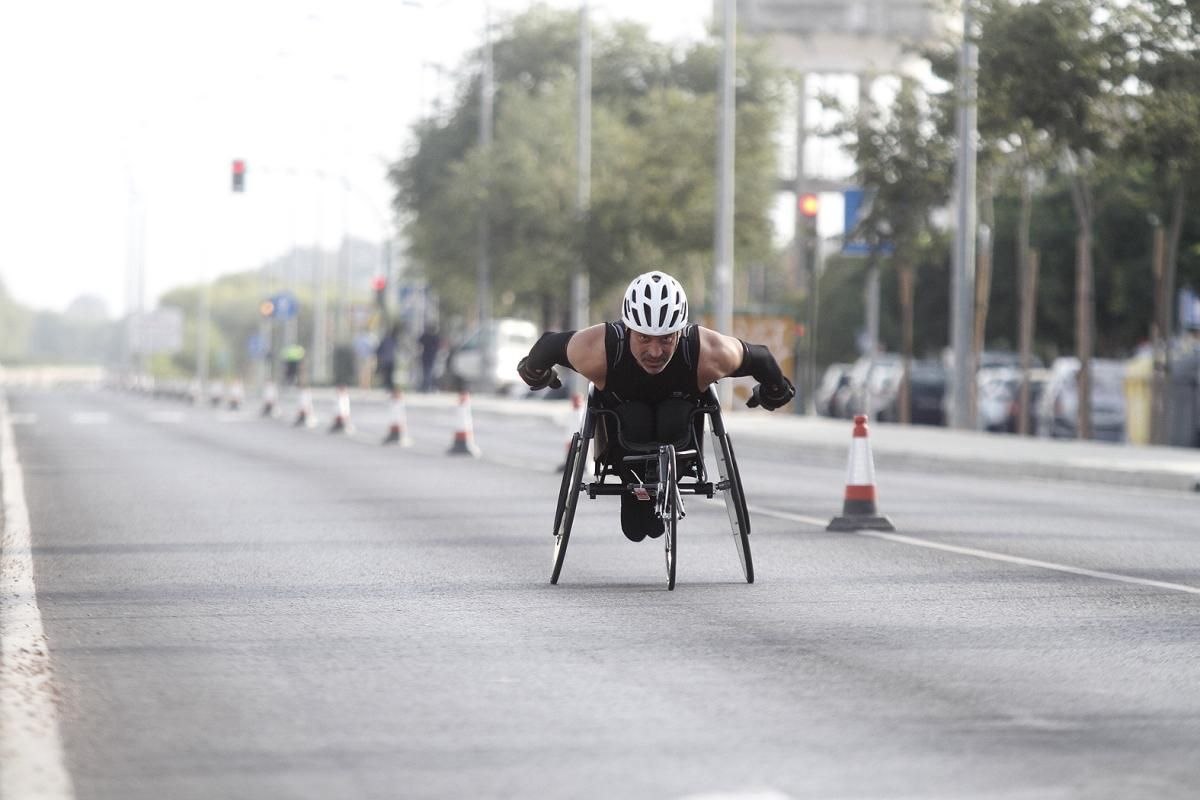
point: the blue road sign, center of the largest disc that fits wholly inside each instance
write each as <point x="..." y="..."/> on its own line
<point x="857" y="204"/>
<point x="286" y="306"/>
<point x="256" y="346"/>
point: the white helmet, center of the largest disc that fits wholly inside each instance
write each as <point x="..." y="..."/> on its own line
<point x="655" y="304"/>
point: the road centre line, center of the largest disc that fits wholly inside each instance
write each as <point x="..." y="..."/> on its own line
<point x="31" y="749"/>
<point x="987" y="554"/>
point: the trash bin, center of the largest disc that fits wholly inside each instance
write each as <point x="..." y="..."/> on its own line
<point x="1139" y="375"/>
<point x="344" y="369"/>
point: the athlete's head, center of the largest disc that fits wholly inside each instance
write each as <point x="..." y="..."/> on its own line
<point x="655" y="309"/>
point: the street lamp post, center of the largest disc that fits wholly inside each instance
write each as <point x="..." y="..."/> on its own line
<point x="483" y="265"/>
<point x="723" y="271"/>
<point x="580" y="285"/>
<point x="963" y="281"/>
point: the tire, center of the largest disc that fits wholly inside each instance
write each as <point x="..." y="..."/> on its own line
<point x="735" y="501"/>
<point x="668" y="477"/>
<point x="568" y="499"/>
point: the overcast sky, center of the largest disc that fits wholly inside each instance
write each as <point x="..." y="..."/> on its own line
<point x="143" y="104"/>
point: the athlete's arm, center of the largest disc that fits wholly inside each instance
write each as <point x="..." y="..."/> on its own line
<point x="587" y="354"/>
<point x="575" y="350"/>
<point x="720" y="357"/>
<point x="724" y="356"/>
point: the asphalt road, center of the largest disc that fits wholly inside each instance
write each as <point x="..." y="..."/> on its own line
<point x="237" y="608"/>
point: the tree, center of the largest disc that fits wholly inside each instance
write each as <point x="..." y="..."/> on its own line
<point x="654" y="144"/>
<point x="905" y="163"/>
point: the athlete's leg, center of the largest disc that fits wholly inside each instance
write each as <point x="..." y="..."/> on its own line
<point x="638" y="519"/>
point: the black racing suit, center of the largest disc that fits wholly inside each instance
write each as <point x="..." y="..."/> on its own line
<point x="652" y="409"/>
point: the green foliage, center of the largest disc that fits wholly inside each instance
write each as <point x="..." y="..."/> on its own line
<point x="654" y="126"/>
<point x="15" y="321"/>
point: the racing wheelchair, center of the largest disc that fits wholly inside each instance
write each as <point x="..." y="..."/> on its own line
<point x="662" y="473"/>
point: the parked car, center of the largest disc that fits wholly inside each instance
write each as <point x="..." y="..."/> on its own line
<point x="928" y="386"/>
<point x="1058" y="408"/>
<point x="826" y="399"/>
<point x="509" y="341"/>
<point x="873" y="380"/>
<point x="998" y="397"/>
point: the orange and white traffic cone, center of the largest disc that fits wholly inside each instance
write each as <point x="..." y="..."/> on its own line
<point x="305" y="415"/>
<point x="270" y="398"/>
<point x="858" y="509"/>
<point x="464" y="436"/>
<point x="398" y="430"/>
<point x="237" y="393"/>
<point x="341" y="422"/>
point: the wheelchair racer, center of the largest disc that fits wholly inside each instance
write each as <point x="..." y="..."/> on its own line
<point x="651" y="368"/>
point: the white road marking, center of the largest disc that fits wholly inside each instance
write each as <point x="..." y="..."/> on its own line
<point x="31" y="747"/>
<point x="90" y="418"/>
<point x="988" y="554"/>
<point x="167" y="417"/>
<point x="23" y="419"/>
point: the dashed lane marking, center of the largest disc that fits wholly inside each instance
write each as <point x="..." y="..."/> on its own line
<point x="31" y="747"/>
<point x="988" y="554"/>
<point x="23" y="419"/>
<point x="166" y="417"/>
<point x="89" y="418"/>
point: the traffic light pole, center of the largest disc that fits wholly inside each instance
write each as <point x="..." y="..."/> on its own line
<point x="723" y="245"/>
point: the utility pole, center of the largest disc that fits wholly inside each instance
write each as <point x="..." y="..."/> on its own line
<point x="963" y="279"/>
<point x="484" y="265"/>
<point x="580" y="283"/>
<point x="723" y="271"/>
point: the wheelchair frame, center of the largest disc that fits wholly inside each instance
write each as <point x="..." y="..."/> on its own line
<point x="657" y="468"/>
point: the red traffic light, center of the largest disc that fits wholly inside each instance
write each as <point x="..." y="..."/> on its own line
<point x="809" y="205"/>
<point x="379" y="283"/>
<point x="239" y="175"/>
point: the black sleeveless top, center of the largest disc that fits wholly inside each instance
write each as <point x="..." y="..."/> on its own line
<point x="626" y="381"/>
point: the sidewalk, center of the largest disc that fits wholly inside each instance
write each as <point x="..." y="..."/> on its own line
<point x="899" y="446"/>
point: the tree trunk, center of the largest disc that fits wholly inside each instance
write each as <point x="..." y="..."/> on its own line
<point x="1159" y="342"/>
<point x="1081" y="196"/>
<point x="1170" y="265"/>
<point x="1174" y="233"/>
<point x="1023" y="226"/>
<point x="983" y="285"/>
<point x="1029" y="281"/>
<point x="1084" y="304"/>
<point x="906" y="314"/>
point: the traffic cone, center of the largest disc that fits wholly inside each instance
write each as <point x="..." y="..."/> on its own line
<point x="464" y="436"/>
<point x="398" y="430"/>
<point x="270" y="397"/>
<point x="858" y="509"/>
<point x="237" y="393"/>
<point x="305" y="415"/>
<point x="341" y="422"/>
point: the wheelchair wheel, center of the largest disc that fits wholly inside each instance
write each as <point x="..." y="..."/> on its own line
<point x="668" y="507"/>
<point x="568" y="499"/>
<point x="735" y="501"/>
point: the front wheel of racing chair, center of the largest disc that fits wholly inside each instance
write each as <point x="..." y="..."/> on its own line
<point x="568" y="497"/>
<point x="668" y="506"/>
<point x="730" y="487"/>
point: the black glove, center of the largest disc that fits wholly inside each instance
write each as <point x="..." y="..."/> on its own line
<point x="772" y="396"/>
<point x="537" y="379"/>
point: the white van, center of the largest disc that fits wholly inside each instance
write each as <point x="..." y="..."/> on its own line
<point x="509" y="341"/>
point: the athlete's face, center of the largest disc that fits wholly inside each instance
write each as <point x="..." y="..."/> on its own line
<point x="652" y="353"/>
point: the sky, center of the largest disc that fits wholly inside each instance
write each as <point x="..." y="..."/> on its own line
<point x="121" y="119"/>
